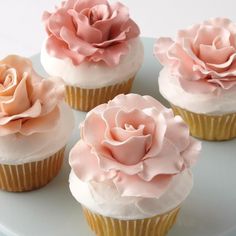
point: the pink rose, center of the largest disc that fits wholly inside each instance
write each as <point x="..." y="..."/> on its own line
<point x="136" y="143"/>
<point x="203" y="56"/>
<point x="89" y="30"/>
<point x="28" y="104"/>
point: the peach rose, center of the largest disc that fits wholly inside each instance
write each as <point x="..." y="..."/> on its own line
<point x="136" y="143"/>
<point x="89" y="30"/>
<point x="28" y="103"/>
<point x="203" y="57"/>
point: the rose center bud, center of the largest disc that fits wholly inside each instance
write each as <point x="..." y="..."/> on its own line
<point x="98" y="13"/>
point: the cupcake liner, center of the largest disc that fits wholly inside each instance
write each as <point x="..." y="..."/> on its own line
<point x="209" y="127"/>
<point x="155" y="226"/>
<point x="86" y="99"/>
<point x="32" y="175"/>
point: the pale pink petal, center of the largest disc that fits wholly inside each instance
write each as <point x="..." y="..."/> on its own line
<point x="111" y="55"/>
<point x="85" y="164"/>
<point x="168" y="161"/>
<point x="82" y="4"/>
<point x="121" y="134"/>
<point x="135" y="118"/>
<point x="191" y="154"/>
<point x="109" y="164"/>
<point x="179" y="139"/>
<point x="213" y="56"/>
<point x="131" y="151"/>
<point x="158" y="134"/>
<point x="133" y="185"/>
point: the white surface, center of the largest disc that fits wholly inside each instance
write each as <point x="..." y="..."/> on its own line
<point x="93" y="75"/>
<point x="208" y="103"/>
<point x="210" y="210"/>
<point x="22" y="31"/>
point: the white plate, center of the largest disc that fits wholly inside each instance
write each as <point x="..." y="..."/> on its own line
<point x="210" y="210"/>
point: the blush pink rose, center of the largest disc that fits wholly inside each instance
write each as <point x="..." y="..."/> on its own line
<point x="203" y="57"/>
<point x="89" y="30"/>
<point x="28" y="103"/>
<point x="136" y="143"/>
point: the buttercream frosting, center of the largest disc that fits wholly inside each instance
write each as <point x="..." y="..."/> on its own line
<point x="203" y="57"/>
<point x="135" y="144"/>
<point x="103" y="198"/>
<point x="89" y="30"/>
<point x="18" y="149"/>
<point x="95" y="75"/>
<point x="207" y="103"/>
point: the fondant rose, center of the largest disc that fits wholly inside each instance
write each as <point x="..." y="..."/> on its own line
<point x="203" y="56"/>
<point x="89" y="30"/>
<point x="28" y="104"/>
<point x="136" y="143"/>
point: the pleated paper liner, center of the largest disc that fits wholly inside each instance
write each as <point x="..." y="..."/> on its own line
<point x="86" y="99"/>
<point x="209" y="127"/>
<point x="32" y="175"/>
<point x="155" y="226"/>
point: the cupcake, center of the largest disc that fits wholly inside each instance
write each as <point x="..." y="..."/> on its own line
<point x="199" y="77"/>
<point x="35" y="124"/>
<point x="94" y="47"/>
<point x="131" y="167"/>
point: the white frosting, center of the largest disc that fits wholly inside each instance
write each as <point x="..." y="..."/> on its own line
<point x="213" y="104"/>
<point x="18" y="149"/>
<point x="95" y="75"/>
<point x="104" y="199"/>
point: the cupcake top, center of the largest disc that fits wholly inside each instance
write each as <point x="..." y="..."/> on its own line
<point x="133" y="153"/>
<point x="85" y="35"/>
<point x="200" y="67"/>
<point x="30" y="108"/>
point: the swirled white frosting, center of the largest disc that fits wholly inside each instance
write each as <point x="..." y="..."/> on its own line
<point x="18" y="149"/>
<point x="209" y="103"/>
<point x="103" y="198"/>
<point x="95" y="75"/>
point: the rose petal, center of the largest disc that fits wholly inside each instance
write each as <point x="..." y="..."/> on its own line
<point x="85" y="164"/>
<point x="191" y="154"/>
<point x="52" y="46"/>
<point x="111" y="55"/>
<point x="213" y="56"/>
<point x="41" y="124"/>
<point x="58" y="20"/>
<point x="135" y="118"/>
<point x="179" y="139"/>
<point x="130" y="185"/>
<point x="121" y="135"/>
<point x="76" y="44"/>
<point x="10" y="128"/>
<point x="82" y="4"/>
<point x="85" y="31"/>
<point x="131" y="151"/>
<point x="20" y="100"/>
<point x="168" y="161"/>
<point x="32" y="112"/>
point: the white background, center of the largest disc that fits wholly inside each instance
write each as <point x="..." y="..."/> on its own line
<point x="22" y="32"/>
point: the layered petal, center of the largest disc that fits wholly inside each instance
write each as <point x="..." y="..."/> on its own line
<point x="89" y="30"/>
<point x="202" y="57"/>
